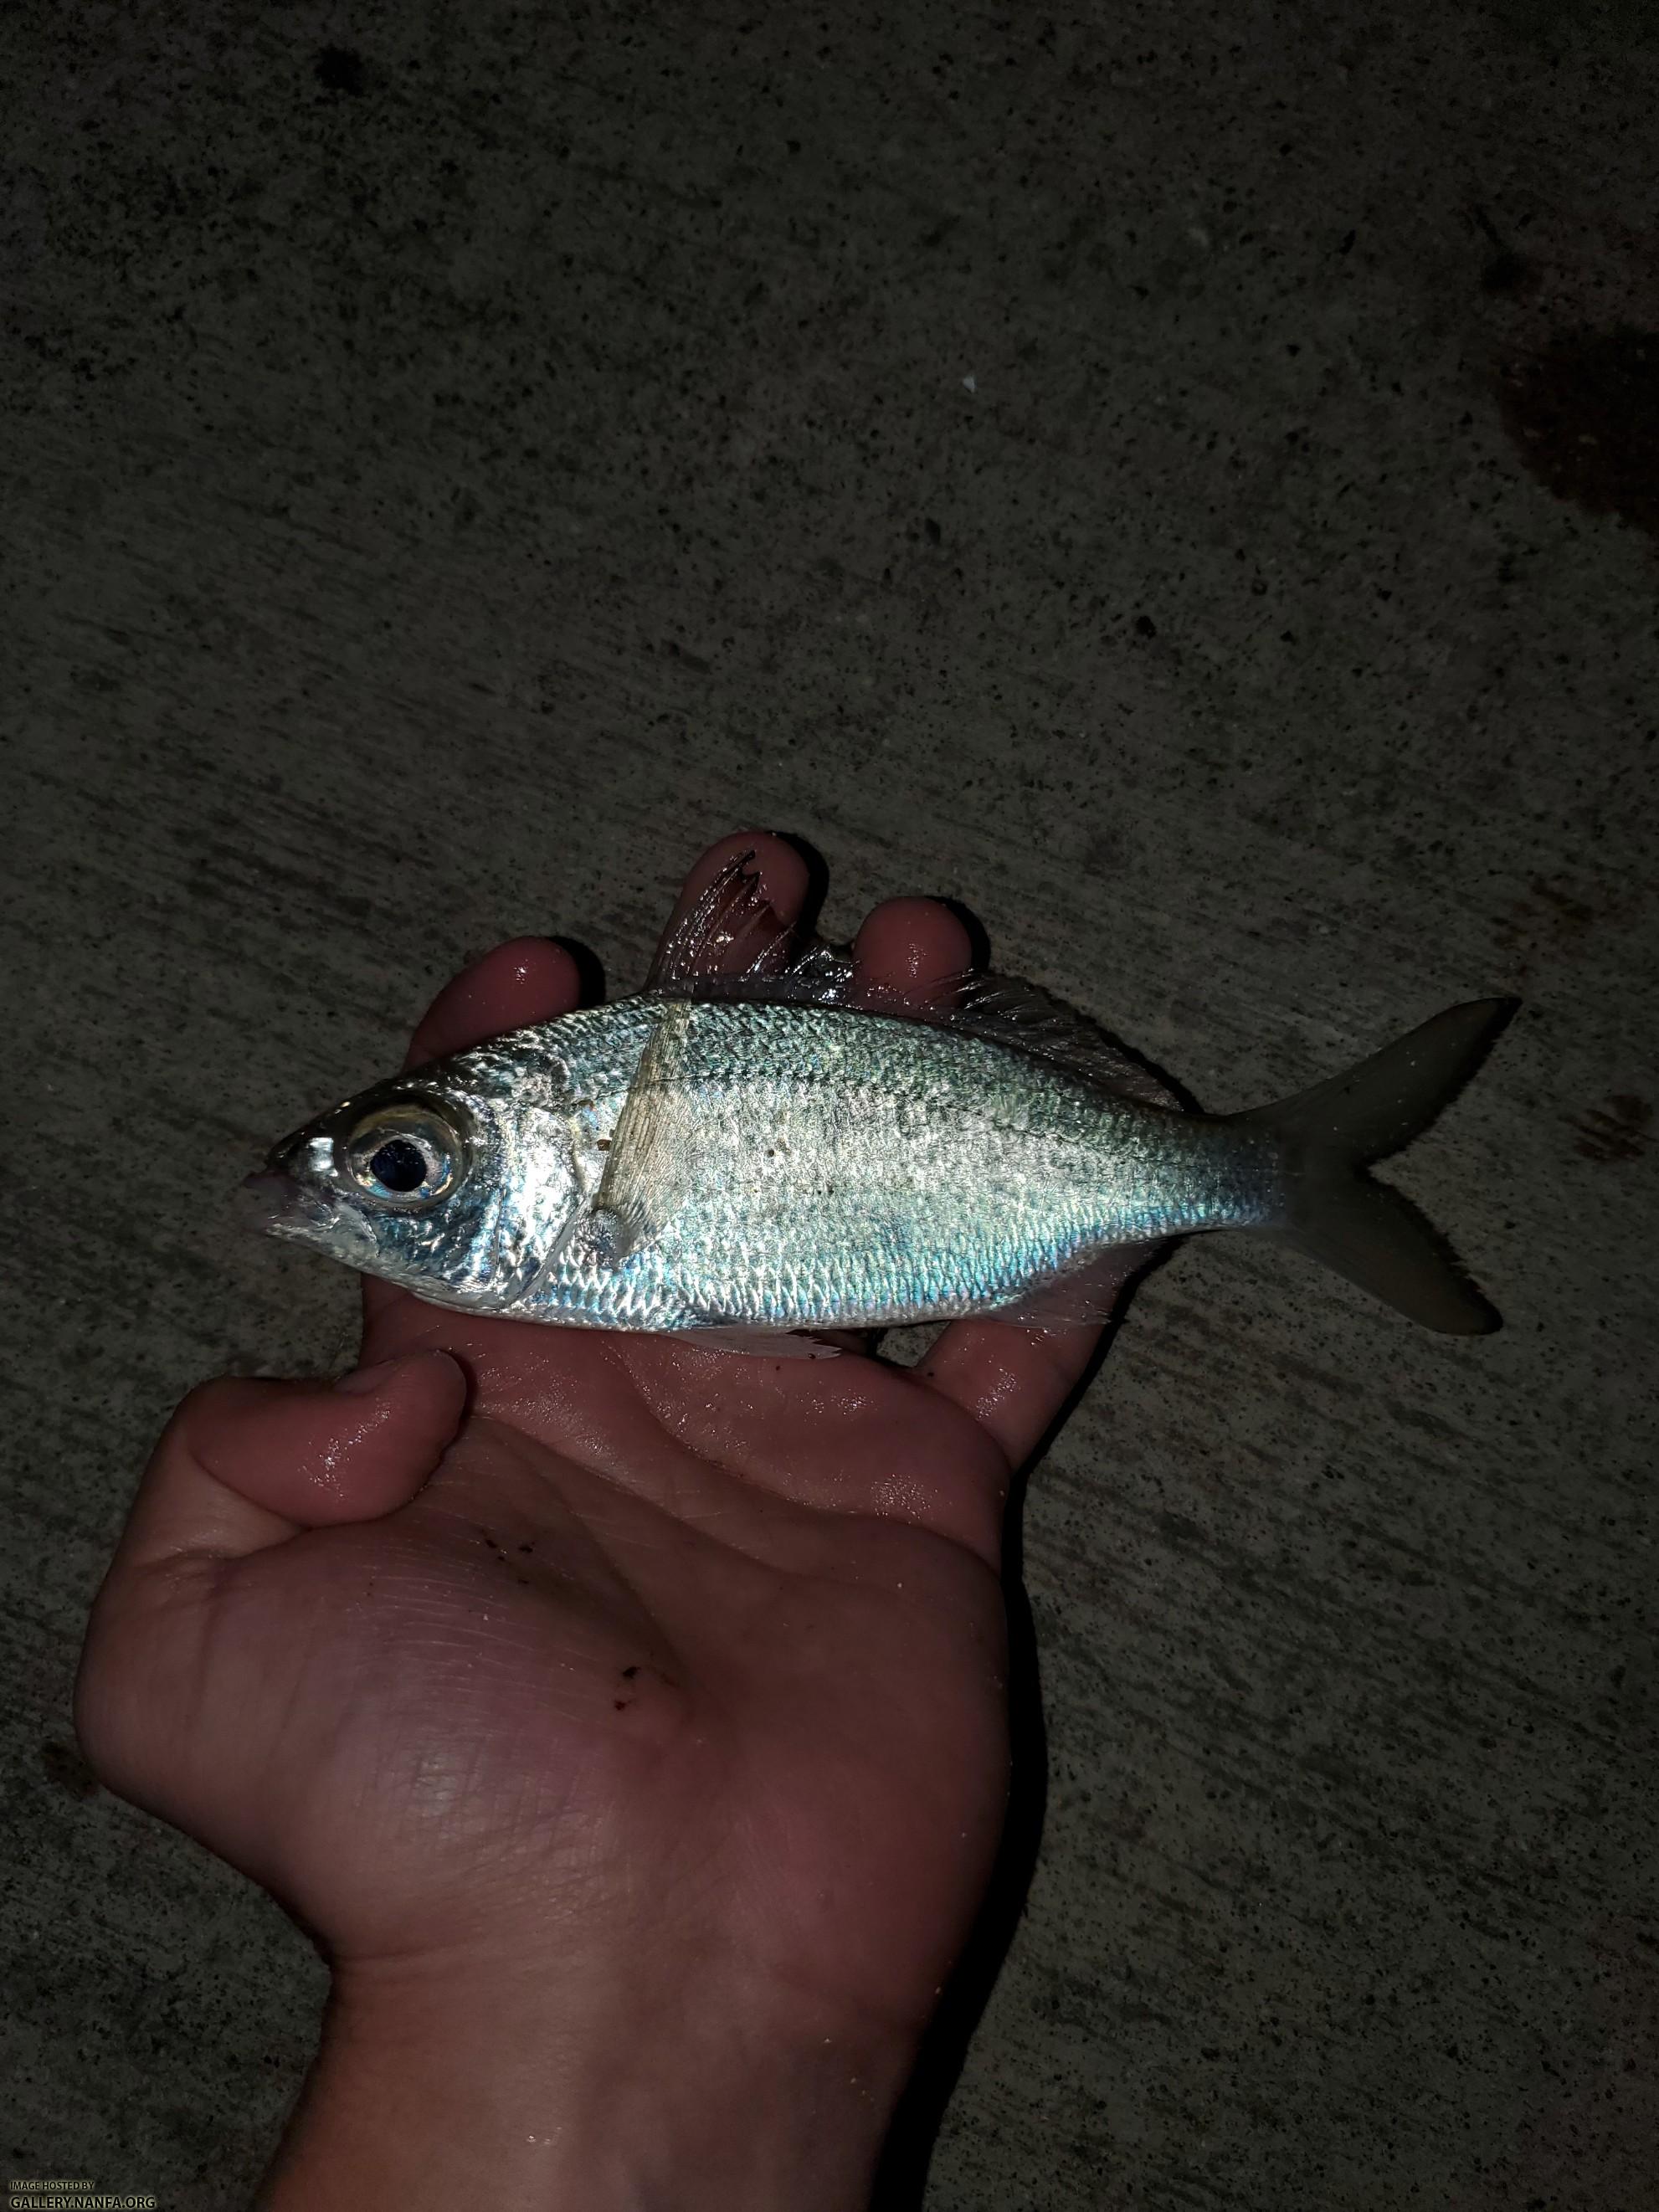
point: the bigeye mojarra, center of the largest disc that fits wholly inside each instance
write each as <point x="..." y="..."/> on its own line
<point x="754" y="1156"/>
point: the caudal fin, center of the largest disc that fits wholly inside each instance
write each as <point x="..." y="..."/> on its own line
<point x="1363" y="1229"/>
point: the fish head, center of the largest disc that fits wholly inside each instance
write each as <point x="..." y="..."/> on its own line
<point x="453" y="1180"/>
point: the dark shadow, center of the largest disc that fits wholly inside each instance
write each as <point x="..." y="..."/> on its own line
<point x="818" y="881"/>
<point x="979" y="943"/>
<point x="902" y="2177"/>
<point x="589" y="973"/>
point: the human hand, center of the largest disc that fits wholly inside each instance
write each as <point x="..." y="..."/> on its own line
<point x="625" y="1717"/>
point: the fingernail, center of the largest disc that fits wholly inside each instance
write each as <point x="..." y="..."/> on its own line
<point x="361" y="1380"/>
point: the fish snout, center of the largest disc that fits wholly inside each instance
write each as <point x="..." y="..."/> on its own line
<point x="292" y="1192"/>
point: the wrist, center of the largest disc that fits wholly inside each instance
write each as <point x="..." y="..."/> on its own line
<point x="663" y="2091"/>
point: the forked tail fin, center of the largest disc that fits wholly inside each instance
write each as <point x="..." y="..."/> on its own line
<point x="1363" y="1229"/>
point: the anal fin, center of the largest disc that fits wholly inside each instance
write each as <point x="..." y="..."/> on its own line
<point x="1084" y="1297"/>
<point x="761" y="1343"/>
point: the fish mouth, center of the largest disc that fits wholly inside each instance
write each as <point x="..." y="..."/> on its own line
<point x="281" y="1206"/>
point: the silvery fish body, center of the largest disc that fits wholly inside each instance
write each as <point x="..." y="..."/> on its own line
<point x="790" y="1166"/>
<point x="772" y="1153"/>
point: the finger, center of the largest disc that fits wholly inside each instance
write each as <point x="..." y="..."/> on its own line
<point x="530" y="979"/>
<point x="1014" y="1380"/>
<point x="781" y="872"/>
<point x="910" y="947"/>
<point x="244" y="1464"/>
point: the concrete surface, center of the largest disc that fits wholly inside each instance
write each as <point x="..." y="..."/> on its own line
<point x="1177" y="481"/>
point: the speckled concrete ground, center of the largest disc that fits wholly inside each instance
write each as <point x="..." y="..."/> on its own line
<point x="1177" y="481"/>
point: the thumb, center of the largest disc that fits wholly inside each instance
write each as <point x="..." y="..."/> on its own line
<point x="243" y="1463"/>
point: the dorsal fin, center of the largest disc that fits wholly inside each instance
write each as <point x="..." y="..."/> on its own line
<point x="731" y="945"/>
<point x="1008" y="1012"/>
<point x="729" y="931"/>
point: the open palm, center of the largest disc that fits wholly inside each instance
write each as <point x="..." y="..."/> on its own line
<point x="674" y="1672"/>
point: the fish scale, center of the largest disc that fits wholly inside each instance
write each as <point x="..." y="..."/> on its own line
<point x="793" y="1165"/>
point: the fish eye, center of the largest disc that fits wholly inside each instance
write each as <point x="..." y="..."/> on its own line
<point x="399" y="1164"/>
<point x="405" y="1155"/>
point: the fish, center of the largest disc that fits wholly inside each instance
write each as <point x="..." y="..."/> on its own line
<point x="758" y="1147"/>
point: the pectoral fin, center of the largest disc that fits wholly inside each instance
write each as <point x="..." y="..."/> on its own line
<point x="602" y="1237"/>
<point x="651" y="1146"/>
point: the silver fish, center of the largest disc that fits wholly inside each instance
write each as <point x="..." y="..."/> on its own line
<point x="776" y="1150"/>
